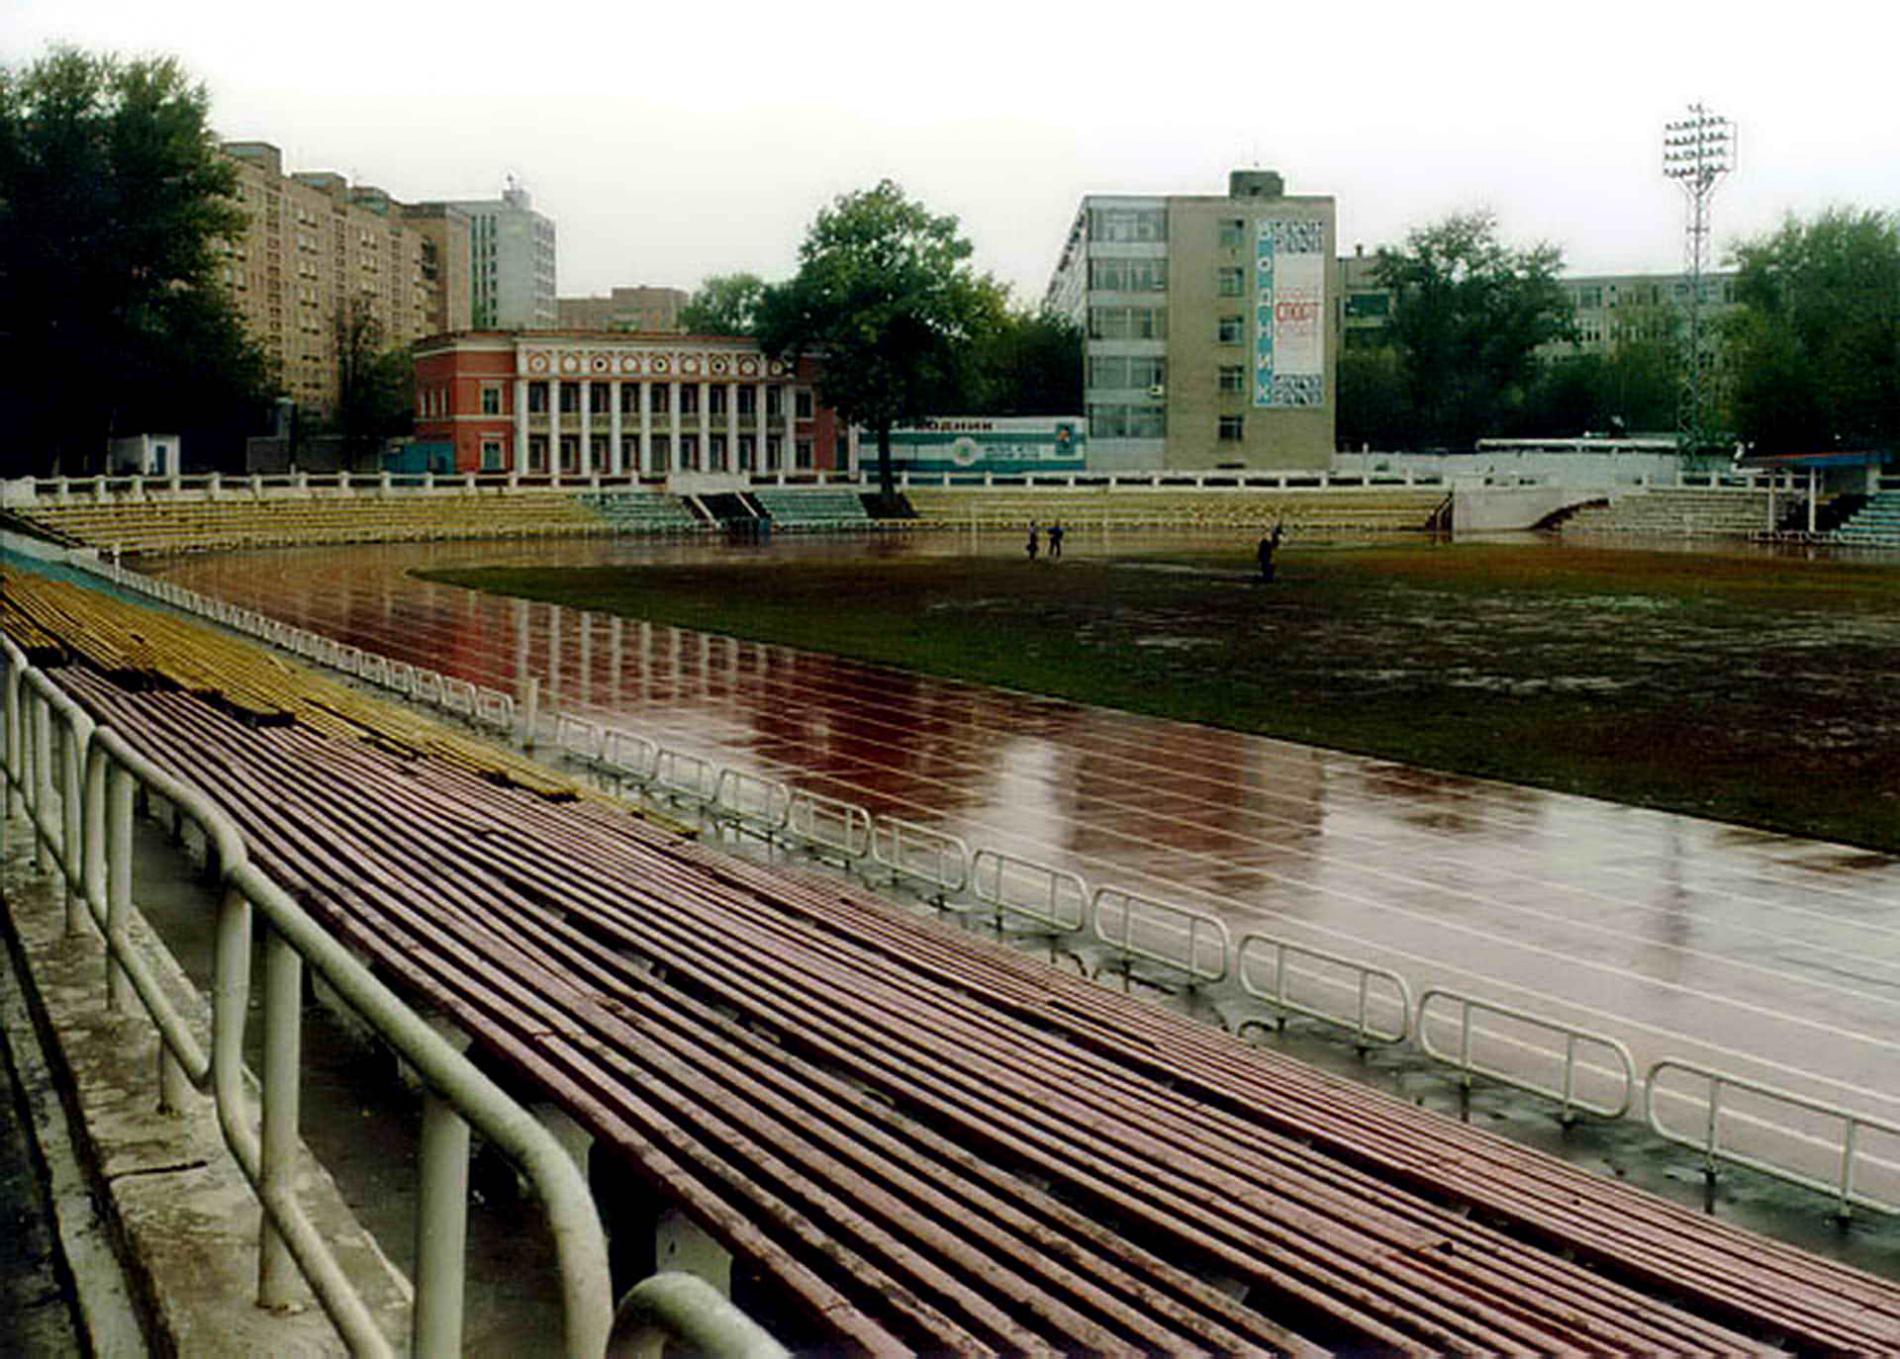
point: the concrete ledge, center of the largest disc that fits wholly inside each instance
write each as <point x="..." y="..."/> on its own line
<point x="181" y="1215"/>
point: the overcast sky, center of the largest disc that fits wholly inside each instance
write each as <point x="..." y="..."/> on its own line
<point x="672" y="141"/>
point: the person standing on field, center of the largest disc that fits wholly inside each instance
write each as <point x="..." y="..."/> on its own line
<point x="1034" y="545"/>
<point x="1055" y="540"/>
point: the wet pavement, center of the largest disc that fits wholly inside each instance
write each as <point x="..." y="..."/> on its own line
<point x="1772" y="958"/>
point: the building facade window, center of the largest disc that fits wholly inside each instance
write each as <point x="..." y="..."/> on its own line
<point x="630" y="398"/>
<point x="659" y="397"/>
<point x="1230" y="282"/>
<point x="1233" y="233"/>
<point x="801" y="451"/>
<point x="689" y="450"/>
<point x="715" y="451"/>
<point x="748" y="400"/>
<point x="570" y="452"/>
<point x="774" y="452"/>
<point x="1230" y="429"/>
<point x="1112" y="421"/>
<point x="1114" y="372"/>
<point x="599" y="399"/>
<point x="1128" y="276"/>
<point x="491" y="455"/>
<point x="1128" y="224"/>
<point x="1233" y="378"/>
<point x="716" y="399"/>
<point x="774" y="401"/>
<point x="537" y="452"/>
<point x="802" y="403"/>
<point x="570" y="398"/>
<point x="1128" y="323"/>
<point x="537" y="398"/>
<point x="689" y="400"/>
<point x="1230" y="329"/>
<point x="747" y="442"/>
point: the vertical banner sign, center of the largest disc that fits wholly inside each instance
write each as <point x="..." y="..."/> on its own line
<point x="1289" y="313"/>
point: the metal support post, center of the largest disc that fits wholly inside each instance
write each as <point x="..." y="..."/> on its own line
<point x="42" y="722"/>
<point x="120" y="995"/>
<point x="441" y="1230"/>
<point x="277" y="1274"/>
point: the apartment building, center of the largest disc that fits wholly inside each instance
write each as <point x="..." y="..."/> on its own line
<point x="1209" y="340"/>
<point x="315" y="247"/>
<point x="511" y="262"/>
<point x="643" y="310"/>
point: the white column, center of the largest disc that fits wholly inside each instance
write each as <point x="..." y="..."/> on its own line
<point x="673" y="425"/>
<point x="705" y="424"/>
<point x="758" y="425"/>
<point x="646" y="425"/>
<point x="732" y="422"/>
<point x="521" y="424"/>
<point x="554" y="426"/>
<point x="583" y="464"/>
<point x="615" y="463"/>
<point x="790" y="441"/>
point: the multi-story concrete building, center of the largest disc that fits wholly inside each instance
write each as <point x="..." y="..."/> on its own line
<point x="644" y="310"/>
<point x="314" y="249"/>
<point x="511" y="262"/>
<point x="1208" y="329"/>
<point x="619" y="404"/>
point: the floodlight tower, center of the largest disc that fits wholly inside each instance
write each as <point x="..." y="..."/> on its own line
<point x="1697" y="152"/>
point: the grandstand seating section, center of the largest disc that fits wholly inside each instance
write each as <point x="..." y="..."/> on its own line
<point x="166" y="526"/>
<point x="1875" y="524"/>
<point x="643" y="512"/>
<point x="1356" y="511"/>
<point x="1676" y="513"/>
<point x="818" y="509"/>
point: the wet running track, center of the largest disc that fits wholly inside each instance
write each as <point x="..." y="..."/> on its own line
<point x="1772" y="958"/>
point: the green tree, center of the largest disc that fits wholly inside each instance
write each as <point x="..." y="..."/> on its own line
<point x="1022" y="362"/>
<point x="1374" y="408"/>
<point x="1814" y="347"/>
<point x="1468" y="315"/>
<point x="885" y="291"/>
<point x="375" y="387"/>
<point x="724" y="304"/>
<point x="114" y="199"/>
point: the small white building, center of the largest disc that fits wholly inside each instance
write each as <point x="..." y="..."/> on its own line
<point x="143" y="455"/>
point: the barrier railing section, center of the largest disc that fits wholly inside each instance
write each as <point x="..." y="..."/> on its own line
<point x="1573" y="1039"/>
<point x="1369" y="986"/>
<point x="1851" y="1125"/>
<point x="76" y="781"/>
<point x="918" y="854"/>
<point x="1187" y="941"/>
<point x="1192" y="943"/>
<point x="1010" y="885"/>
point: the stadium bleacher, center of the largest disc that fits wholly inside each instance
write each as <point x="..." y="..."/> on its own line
<point x="1675" y="512"/>
<point x="135" y="527"/>
<point x="1355" y="511"/>
<point x="813" y="509"/>
<point x="1875" y="524"/>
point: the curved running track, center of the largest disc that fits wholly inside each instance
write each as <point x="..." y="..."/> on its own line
<point x="1772" y="957"/>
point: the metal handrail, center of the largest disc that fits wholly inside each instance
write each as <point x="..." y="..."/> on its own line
<point x="934" y="858"/>
<point x="89" y="842"/>
<point x="830" y="823"/>
<point x="1054" y="897"/>
<point x="1566" y="1093"/>
<point x="685" y="1306"/>
<point x="1359" y="1023"/>
<point x="1841" y="1189"/>
<point x="684" y="777"/>
<point x="751" y="800"/>
<point x="1179" y="920"/>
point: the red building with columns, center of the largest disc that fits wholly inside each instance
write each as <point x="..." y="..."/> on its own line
<point x="581" y="402"/>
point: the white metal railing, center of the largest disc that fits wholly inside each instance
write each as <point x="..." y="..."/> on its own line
<point x="751" y="801"/>
<point x="1054" y="898"/>
<point x="829" y="823"/>
<point x="1841" y="1188"/>
<point x="1392" y="993"/>
<point x="1188" y="941"/>
<point x="692" y="779"/>
<point x="76" y="783"/>
<point x="932" y="858"/>
<point x="1573" y="1038"/>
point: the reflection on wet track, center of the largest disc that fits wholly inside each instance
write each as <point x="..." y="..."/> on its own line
<point x="1775" y="958"/>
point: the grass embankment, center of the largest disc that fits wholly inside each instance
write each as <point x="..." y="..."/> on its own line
<point x="1754" y="690"/>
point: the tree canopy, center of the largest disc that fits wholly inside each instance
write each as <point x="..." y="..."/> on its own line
<point x="375" y="387"/>
<point x="724" y="304"/>
<point x="1469" y="313"/>
<point x="1021" y="361"/>
<point x="1814" y="347"/>
<point x="885" y="290"/>
<point x="113" y="199"/>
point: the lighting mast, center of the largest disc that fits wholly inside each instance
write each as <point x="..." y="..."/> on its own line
<point x="1697" y="152"/>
